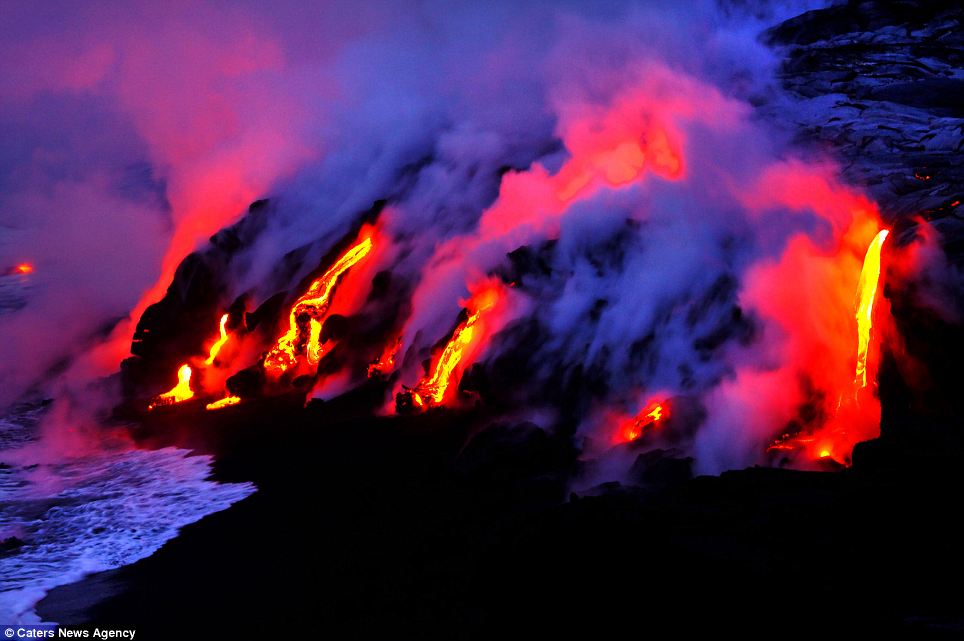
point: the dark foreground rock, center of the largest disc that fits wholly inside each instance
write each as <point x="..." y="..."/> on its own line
<point x="396" y="528"/>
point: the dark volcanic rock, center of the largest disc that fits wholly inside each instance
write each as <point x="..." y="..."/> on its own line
<point x="506" y="452"/>
<point x="396" y="528"/>
<point x="661" y="468"/>
<point x="880" y="83"/>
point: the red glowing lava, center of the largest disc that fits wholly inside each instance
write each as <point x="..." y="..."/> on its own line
<point x="653" y="415"/>
<point x="449" y="362"/>
<point x="179" y="393"/>
<point x="866" y="293"/>
<point x="224" y="402"/>
<point x="308" y="313"/>
<point x="857" y="412"/>
<point x="218" y="344"/>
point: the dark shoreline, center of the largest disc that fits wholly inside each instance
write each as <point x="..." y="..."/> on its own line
<point x="394" y="528"/>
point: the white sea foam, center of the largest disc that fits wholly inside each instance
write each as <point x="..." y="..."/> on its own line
<point x="97" y="513"/>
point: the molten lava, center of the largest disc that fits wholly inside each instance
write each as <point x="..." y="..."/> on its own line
<point x="854" y="418"/>
<point x="431" y="390"/>
<point x="308" y="312"/>
<point x="179" y="393"/>
<point x="224" y="402"/>
<point x="220" y="342"/>
<point x="866" y="292"/>
<point x="386" y="362"/>
<point x="651" y="416"/>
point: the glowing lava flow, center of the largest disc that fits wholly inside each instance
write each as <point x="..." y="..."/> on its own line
<point x="652" y="415"/>
<point x="224" y="402"/>
<point x="386" y="362"/>
<point x="304" y="324"/>
<point x="179" y="393"/>
<point x="431" y="390"/>
<point x="852" y="420"/>
<point x="220" y="342"/>
<point x="866" y="292"/>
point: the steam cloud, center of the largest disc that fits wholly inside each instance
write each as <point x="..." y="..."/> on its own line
<point x="685" y="248"/>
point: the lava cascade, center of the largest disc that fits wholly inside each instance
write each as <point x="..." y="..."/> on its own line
<point x="219" y="343"/>
<point x="308" y="313"/>
<point x="469" y="335"/>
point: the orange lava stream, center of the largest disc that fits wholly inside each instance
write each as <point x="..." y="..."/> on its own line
<point x="179" y="393"/>
<point x="311" y="306"/>
<point x="431" y="390"/>
<point x="650" y="416"/>
<point x="835" y="439"/>
<point x="866" y="292"/>
<point x="224" y="402"/>
<point x="220" y="342"/>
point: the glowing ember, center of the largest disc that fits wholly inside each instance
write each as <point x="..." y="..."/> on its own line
<point x="650" y="416"/>
<point x="224" y="402"/>
<point x="179" y="393"/>
<point x="220" y="342"/>
<point x="431" y="390"/>
<point x="866" y="292"/>
<point x="304" y="321"/>
<point x="20" y="268"/>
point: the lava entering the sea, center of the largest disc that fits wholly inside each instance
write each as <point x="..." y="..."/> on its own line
<point x="866" y="292"/>
<point x="179" y="393"/>
<point x="856" y="413"/>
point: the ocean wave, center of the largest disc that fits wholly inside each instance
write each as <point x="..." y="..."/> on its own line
<point x="97" y="513"/>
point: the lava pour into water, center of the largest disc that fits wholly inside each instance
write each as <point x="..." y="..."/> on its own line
<point x="179" y="393"/>
<point x="866" y="293"/>
<point x="835" y="439"/>
<point x="308" y="313"/>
